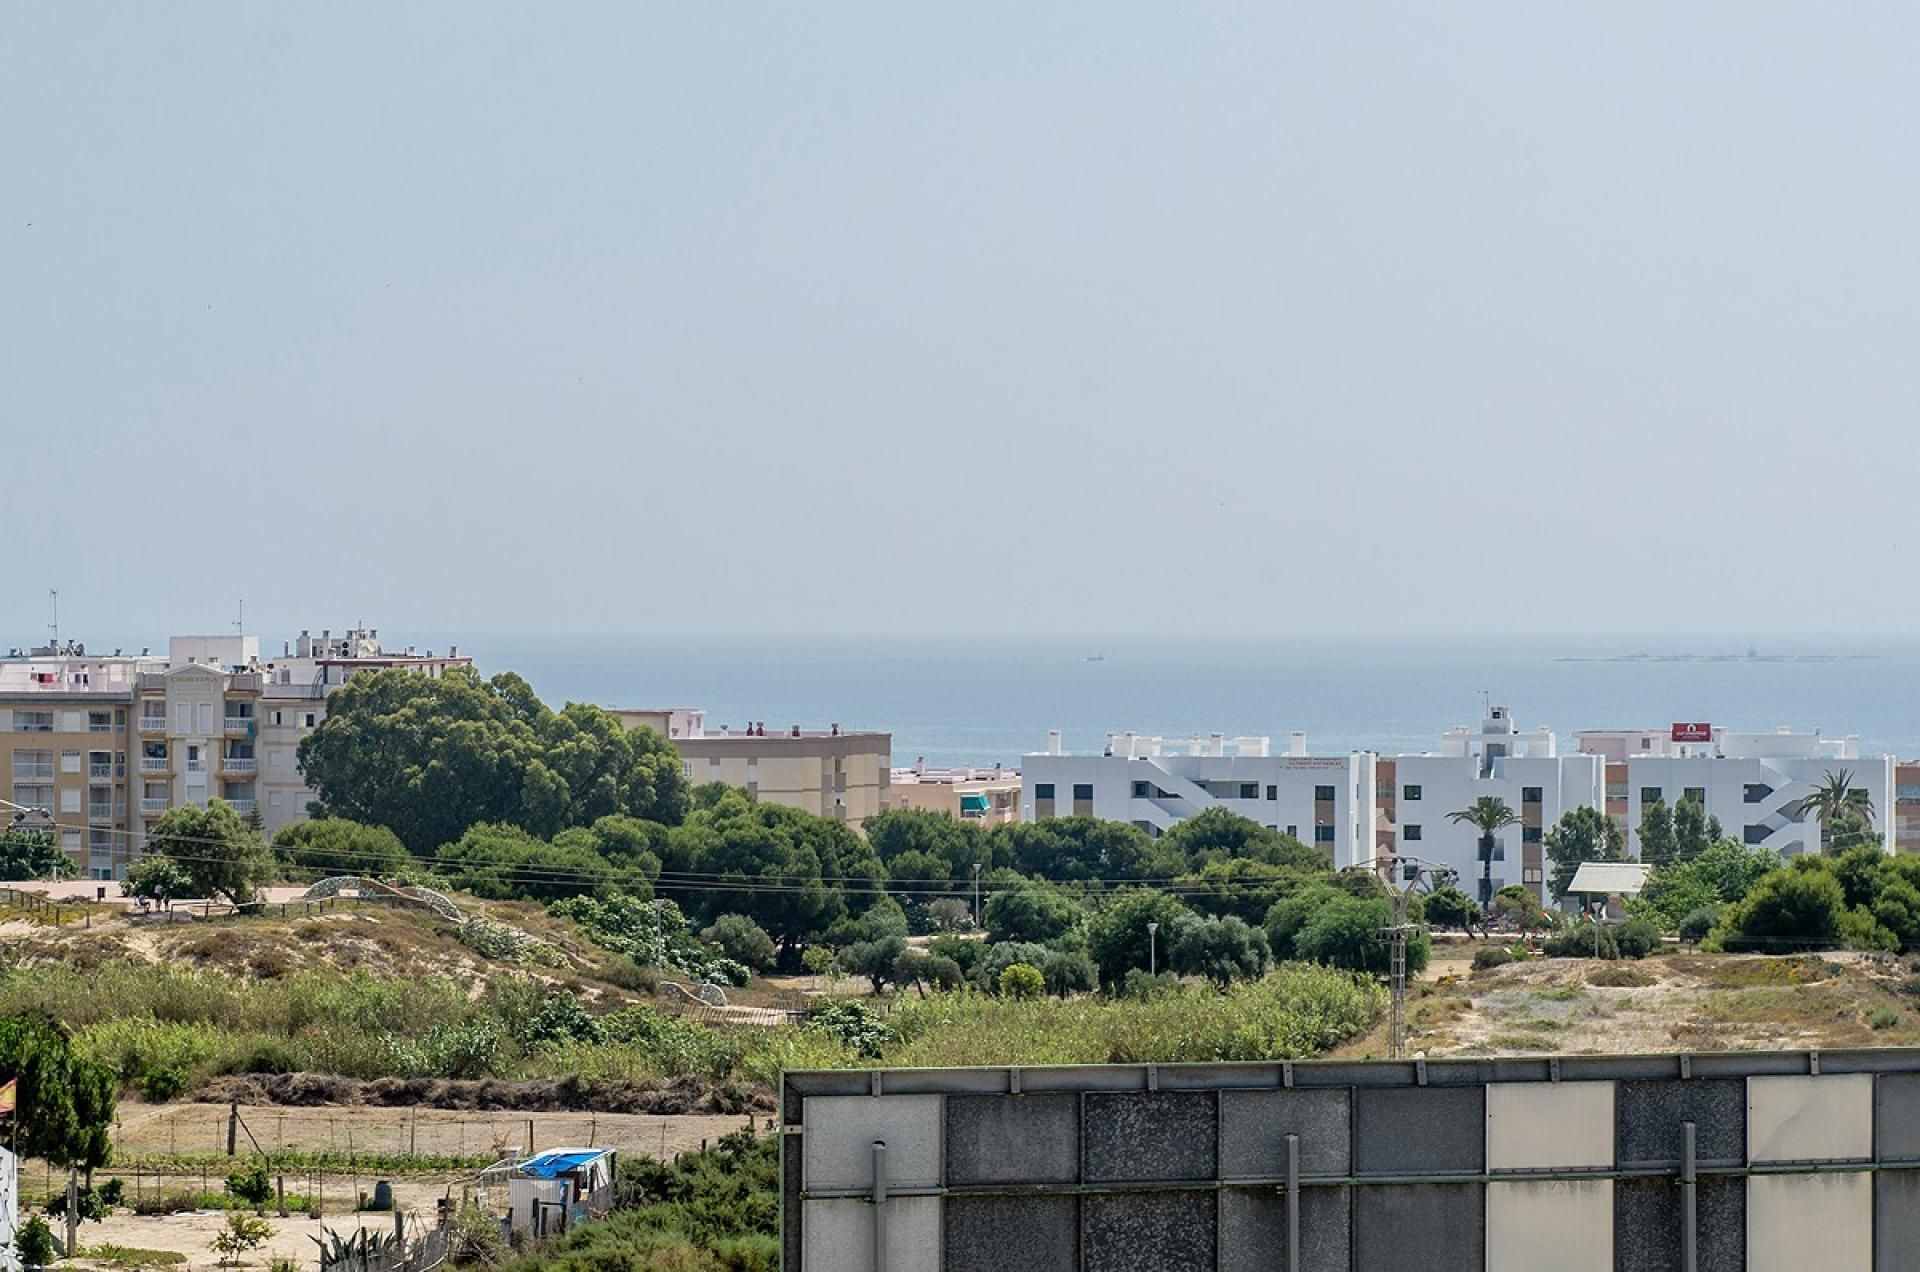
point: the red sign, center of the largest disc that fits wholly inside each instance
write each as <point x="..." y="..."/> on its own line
<point x="1693" y="732"/>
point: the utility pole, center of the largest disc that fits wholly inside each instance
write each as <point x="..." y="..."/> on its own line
<point x="1153" y="961"/>
<point x="976" y="894"/>
<point x="1412" y="872"/>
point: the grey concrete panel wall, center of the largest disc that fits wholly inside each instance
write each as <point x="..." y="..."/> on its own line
<point x="1012" y="1234"/>
<point x="1254" y="1126"/>
<point x="1419" y="1130"/>
<point x="841" y="1130"/>
<point x="1896" y="1118"/>
<point x="1150" y="1136"/>
<point x="1798" y="1222"/>
<point x="1419" y="1228"/>
<point x="839" y="1235"/>
<point x="1149" y="1232"/>
<point x="1896" y="1222"/>
<point x="1562" y="1225"/>
<point x="1018" y="1139"/>
<point x="1647" y="1214"/>
<point x="1549" y="1125"/>
<point x="1649" y="1115"/>
<point x="1253" y="1230"/>
<point x="1826" y="1118"/>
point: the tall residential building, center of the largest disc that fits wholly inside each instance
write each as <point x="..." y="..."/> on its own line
<point x="832" y="772"/>
<point x="1327" y="801"/>
<point x="108" y="743"/>
<point x="984" y="796"/>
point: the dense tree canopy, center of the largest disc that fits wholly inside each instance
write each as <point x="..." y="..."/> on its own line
<point x="430" y="756"/>
<point x="1117" y="937"/>
<point x="1031" y="912"/>
<point x="1582" y="834"/>
<point x="1219" y="835"/>
<point x="1087" y="848"/>
<point x="336" y="846"/>
<point x="32" y="854"/>
<point x="64" y="1107"/>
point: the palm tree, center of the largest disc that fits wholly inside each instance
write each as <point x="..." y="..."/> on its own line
<point x="1491" y="814"/>
<point x="1837" y="798"/>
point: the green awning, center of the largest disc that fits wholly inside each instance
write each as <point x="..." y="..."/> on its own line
<point x="975" y="803"/>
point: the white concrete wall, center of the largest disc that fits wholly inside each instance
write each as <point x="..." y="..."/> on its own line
<point x="1449" y="783"/>
<point x="1775" y="815"/>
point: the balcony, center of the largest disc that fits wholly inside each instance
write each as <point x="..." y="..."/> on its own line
<point x="103" y="812"/>
<point x="238" y="764"/>
<point x="152" y="764"/>
<point x="115" y="771"/>
<point x="241" y="725"/>
<point x="100" y="726"/>
<point x="153" y="724"/>
<point x="32" y="772"/>
<point x="241" y="806"/>
<point x="32" y="726"/>
<point x="152" y="807"/>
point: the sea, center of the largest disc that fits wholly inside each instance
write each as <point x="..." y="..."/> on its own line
<point x="954" y="700"/>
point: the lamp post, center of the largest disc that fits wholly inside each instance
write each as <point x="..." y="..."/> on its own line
<point x="976" y="894"/>
<point x="1153" y="952"/>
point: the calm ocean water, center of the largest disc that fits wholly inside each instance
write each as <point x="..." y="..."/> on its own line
<point x="984" y="699"/>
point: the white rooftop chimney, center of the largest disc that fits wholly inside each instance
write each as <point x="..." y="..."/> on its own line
<point x="1053" y="741"/>
<point x="1297" y="743"/>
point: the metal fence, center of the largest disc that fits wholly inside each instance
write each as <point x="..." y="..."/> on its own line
<point x="1702" y="1163"/>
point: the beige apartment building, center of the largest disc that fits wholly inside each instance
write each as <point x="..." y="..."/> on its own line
<point x="108" y="743"/>
<point x="833" y="772"/>
<point x="985" y="796"/>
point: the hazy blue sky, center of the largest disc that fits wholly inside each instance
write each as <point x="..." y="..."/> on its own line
<point x="1013" y="317"/>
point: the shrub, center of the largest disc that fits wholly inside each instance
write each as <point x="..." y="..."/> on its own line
<point x="251" y="1185"/>
<point x="168" y="1082"/>
<point x="1493" y="956"/>
<point x="966" y="954"/>
<point x="1699" y="921"/>
<point x="1022" y="981"/>
<point x="742" y="940"/>
<point x="1222" y="950"/>
<point x="1117" y="937"/>
<point x="336" y="846"/>
<point x="851" y="1024"/>
<point x="1029" y="913"/>
<point x="1798" y="908"/>
<point x="921" y="970"/>
<point x="34" y="1243"/>
<point x="1069" y="972"/>
<point x="1585" y="940"/>
<point x="1143" y="984"/>
<point x="1636" y="938"/>
<point x="1884" y="1018"/>
<point x="1345" y="932"/>
<point x="242" y="1233"/>
<point x="949" y="914"/>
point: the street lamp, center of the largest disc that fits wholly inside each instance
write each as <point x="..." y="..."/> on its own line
<point x="976" y="894"/>
<point x="1153" y="961"/>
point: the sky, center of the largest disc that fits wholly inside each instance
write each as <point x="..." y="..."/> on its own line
<point x="877" y="318"/>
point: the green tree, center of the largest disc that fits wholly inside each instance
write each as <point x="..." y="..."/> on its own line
<point x="430" y="756"/>
<point x="874" y="959"/>
<point x="920" y="969"/>
<point x="1069" y="972"/>
<point x="64" y="1105"/>
<point x="1346" y="932"/>
<point x="34" y="1242"/>
<point x="743" y="941"/>
<point x="1030" y="913"/>
<point x="931" y="848"/>
<point x="1722" y="874"/>
<point x="1489" y="814"/>
<point x="503" y="862"/>
<point x="1217" y="835"/>
<point x="1836" y="797"/>
<point x="1693" y="828"/>
<point x="1450" y="907"/>
<point x="31" y="853"/>
<point x="1117" y="937"/>
<point x="1022" y="981"/>
<point x="1791" y="910"/>
<point x="1520" y="907"/>
<point x="218" y="852"/>
<point x="243" y="1232"/>
<point x="336" y="846"/>
<point x="1861" y="872"/>
<point x="1582" y="834"/>
<point x="1222" y="950"/>
<point x="1246" y="887"/>
<point x="1657" y="841"/>
<point x="1084" y="848"/>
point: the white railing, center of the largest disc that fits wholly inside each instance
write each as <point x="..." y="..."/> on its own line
<point x="153" y="724"/>
<point x="106" y="770"/>
<point x="99" y="812"/>
<point x="239" y="724"/>
<point x="238" y="764"/>
<point x="241" y="806"/>
<point x="153" y="807"/>
<point x="32" y="772"/>
<point x="95" y="726"/>
<point x="150" y="764"/>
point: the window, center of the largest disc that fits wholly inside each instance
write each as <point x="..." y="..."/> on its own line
<point x="1142" y="790"/>
<point x="1249" y="790"/>
<point x="70" y="800"/>
<point x="33" y="796"/>
<point x="1530" y="834"/>
<point x="1648" y="794"/>
<point x="1410" y="793"/>
<point x="309" y="719"/>
<point x="1529" y="794"/>
<point x="1411" y="833"/>
<point x="69" y="761"/>
<point x="1273" y="792"/>
<point x="31" y="765"/>
<point x="1754" y="834"/>
<point x="1698" y="794"/>
<point x="183" y="717"/>
<point x="1323" y="794"/>
<point x="33" y="722"/>
<point x="1043" y="790"/>
<point x="1293" y="832"/>
<point x="1083" y="790"/>
<point x="1757" y="792"/>
<point x="206" y="717"/>
<point x="194" y="763"/>
<point x="1530" y="875"/>
<point x="1323" y="834"/>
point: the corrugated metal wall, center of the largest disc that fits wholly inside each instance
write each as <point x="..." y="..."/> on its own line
<point x="1790" y="1161"/>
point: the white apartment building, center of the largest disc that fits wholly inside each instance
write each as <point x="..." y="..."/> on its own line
<point x="1327" y="801"/>
<point x="1419" y="793"/>
<point x="1753" y="782"/>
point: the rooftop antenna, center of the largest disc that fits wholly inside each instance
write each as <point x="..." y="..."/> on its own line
<point x="240" y="619"/>
<point x="54" y="626"/>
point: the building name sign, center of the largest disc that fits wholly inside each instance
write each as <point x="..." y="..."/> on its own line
<point x="1697" y="732"/>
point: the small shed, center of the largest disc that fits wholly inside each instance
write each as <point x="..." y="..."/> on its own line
<point x="1612" y="881"/>
<point x="550" y="1192"/>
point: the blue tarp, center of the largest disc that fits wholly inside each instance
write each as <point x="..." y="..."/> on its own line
<point x="554" y="1165"/>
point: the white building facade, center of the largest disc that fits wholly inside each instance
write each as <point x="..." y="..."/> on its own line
<point x="1525" y="770"/>
<point x="1754" y="783"/>
<point x="1326" y="801"/>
